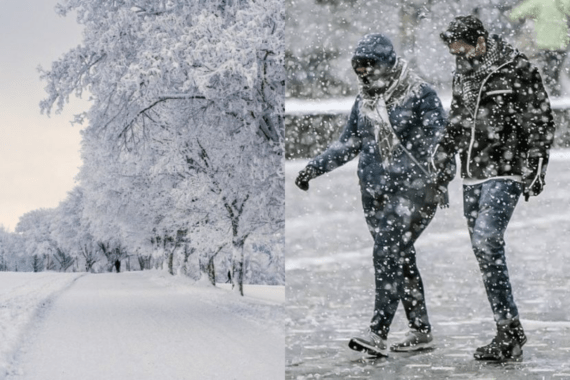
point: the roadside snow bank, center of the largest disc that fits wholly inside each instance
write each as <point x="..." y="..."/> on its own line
<point x="261" y="304"/>
<point x="22" y="296"/>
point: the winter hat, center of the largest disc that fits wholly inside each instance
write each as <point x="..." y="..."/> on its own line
<point x="375" y="49"/>
<point x="464" y="28"/>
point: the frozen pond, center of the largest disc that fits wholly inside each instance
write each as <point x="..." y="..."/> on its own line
<point x="330" y="284"/>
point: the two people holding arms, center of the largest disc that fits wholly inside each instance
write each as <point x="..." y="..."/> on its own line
<point x="500" y="123"/>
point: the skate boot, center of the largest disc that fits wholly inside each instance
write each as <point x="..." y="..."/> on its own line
<point x="373" y="344"/>
<point x="507" y="345"/>
<point x="414" y="341"/>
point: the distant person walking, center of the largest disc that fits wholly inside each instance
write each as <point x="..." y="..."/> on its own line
<point x="501" y="125"/>
<point x="551" y="29"/>
<point x="394" y="124"/>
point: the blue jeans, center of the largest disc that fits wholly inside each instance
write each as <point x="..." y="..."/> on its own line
<point x="396" y="219"/>
<point x="488" y="208"/>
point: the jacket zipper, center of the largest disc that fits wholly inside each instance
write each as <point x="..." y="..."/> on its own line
<point x="475" y="117"/>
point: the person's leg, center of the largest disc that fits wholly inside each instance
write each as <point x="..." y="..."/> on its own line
<point x="488" y="208"/>
<point x="397" y="225"/>
<point x="488" y="219"/>
<point x="386" y="300"/>
<point x="559" y="57"/>
<point x="380" y="216"/>
<point x="412" y="293"/>
<point x="552" y="64"/>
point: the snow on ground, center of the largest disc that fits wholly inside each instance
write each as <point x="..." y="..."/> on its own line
<point x="330" y="284"/>
<point x="138" y="325"/>
<point x="22" y="297"/>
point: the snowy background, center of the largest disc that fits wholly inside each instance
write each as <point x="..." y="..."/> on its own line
<point x="330" y="284"/>
<point x="321" y="36"/>
<point x="143" y="325"/>
<point x="181" y="144"/>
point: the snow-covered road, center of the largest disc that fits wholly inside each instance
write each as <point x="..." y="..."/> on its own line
<point x="330" y="284"/>
<point x="149" y="326"/>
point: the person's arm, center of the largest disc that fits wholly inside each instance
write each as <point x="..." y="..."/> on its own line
<point x="337" y="154"/>
<point x="537" y="126"/>
<point x="434" y="125"/>
<point x="447" y="146"/>
<point x="529" y="8"/>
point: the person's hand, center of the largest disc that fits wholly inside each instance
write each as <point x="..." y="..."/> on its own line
<point x="533" y="179"/>
<point x="532" y="186"/>
<point x="304" y="177"/>
<point x="442" y="197"/>
<point x="437" y="194"/>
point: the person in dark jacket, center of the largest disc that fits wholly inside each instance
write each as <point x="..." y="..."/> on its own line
<point x="394" y="125"/>
<point x="501" y="125"/>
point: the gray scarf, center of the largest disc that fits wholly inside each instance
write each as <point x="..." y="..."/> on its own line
<point x="374" y="106"/>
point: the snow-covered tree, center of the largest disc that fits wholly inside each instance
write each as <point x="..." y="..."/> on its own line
<point x="185" y="123"/>
<point x="38" y="245"/>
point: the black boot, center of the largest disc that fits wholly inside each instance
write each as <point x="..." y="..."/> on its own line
<point x="507" y="345"/>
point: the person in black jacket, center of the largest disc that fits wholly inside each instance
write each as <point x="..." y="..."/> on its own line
<point x="501" y="124"/>
<point x="394" y="125"/>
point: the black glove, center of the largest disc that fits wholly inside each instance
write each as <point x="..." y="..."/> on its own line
<point x="442" y="197"/>
<point x="533" y="177"/>
<point x="304" y="177"/>
<point x="437" y="194"/>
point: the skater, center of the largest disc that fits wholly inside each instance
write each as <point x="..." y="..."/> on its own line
<point x="551" y="29"/>
<point x="394" y="124"/>
<point x="501" y="124"/>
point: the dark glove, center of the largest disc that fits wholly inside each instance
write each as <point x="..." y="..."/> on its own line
<point x="439" y="160"/>
<point x="437" y="194"/>
<point x="442" y="197"/>
<point x="443" y="167"/>
<point x="304" y="177"/>
<point x="533" y="178"/>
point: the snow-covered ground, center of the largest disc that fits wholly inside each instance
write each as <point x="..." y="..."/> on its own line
<point x="330" y="284"/>
<point x="137" y="325"/>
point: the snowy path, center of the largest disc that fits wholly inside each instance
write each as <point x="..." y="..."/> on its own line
<point x="330" y="285"/>
<point x="134" y="326"/>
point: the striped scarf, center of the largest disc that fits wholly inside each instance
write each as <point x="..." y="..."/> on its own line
<point x="471" y="82"/>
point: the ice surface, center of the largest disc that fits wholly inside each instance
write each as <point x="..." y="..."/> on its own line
<point x="330" y="284"/>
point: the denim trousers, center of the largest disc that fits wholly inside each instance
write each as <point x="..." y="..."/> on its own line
<point x="488" y="208"/>
<point x="396" y="219"/>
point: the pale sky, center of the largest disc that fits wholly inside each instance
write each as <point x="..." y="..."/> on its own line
<point x="39" y="155"/>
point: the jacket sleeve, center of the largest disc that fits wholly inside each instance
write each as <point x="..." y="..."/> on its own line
<point x="434" y="124"/>
<point x="345" y="149"/>
<point x="443" y="156"/>
<point x="535" y="120"/>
